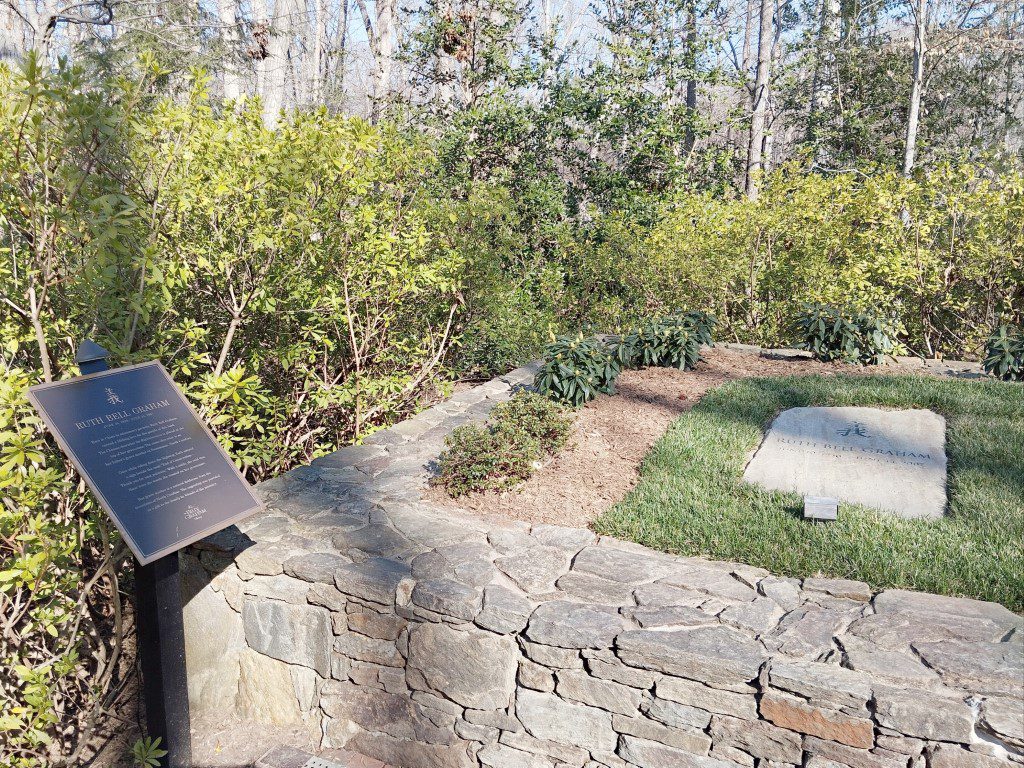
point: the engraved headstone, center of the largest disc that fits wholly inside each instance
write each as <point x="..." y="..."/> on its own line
<point x="893" y="461"/>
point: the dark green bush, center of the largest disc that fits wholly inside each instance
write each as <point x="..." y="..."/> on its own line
<point x="673" y="341"/>
<point x="1004" y="354"/>
<point x="506" y="451"/>
<point x="576" y="370"/>
<point x="865" y="338"/>
<point x="541" y="419"/>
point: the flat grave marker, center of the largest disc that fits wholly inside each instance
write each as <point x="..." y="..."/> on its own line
<point x="894" y="461"/>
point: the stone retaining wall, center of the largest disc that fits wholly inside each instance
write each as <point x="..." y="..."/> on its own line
<point x="355" y="610"/>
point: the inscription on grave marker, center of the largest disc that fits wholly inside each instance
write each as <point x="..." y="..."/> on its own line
<point x="890" y="460"/>
<point x="147" y="456"/>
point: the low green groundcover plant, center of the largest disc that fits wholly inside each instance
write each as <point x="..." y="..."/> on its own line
<point x="691" y="499"/>
<point x="504" y="452"/>
<point x="863" y="338"/>
<point x="1004" y="354"/>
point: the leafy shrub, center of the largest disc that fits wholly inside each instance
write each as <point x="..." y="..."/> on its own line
<point x="503" y="453"/>
<point x="864" y="338"/>
<point x="576" y="370"/>
<point x="545" y="421"/>
<point x="1004" y="354"/>
<point x="673" y="341"/>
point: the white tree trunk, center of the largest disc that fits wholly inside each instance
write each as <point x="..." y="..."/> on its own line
<point x="914" y="113"/>
<point x="826" y="77"/>
<point x="275" y="65"/>
<point x="755" y="147"/>
<point x="227" y="12"/>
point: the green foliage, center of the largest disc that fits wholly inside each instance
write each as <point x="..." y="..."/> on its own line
<point x="576" y="370"/>
<point x="672" y="341"/>
<point x="504" y="452"/>
<point x="539" y="417"/>
<point x="146" y="752"/>
<point x="865" y="338"/>
<point x="1004" y="354"/>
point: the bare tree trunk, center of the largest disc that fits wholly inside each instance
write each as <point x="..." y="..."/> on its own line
<point x="12" y="34"/>
<point x="317" y="54"/>
<point x="914" y="113"/>
<point x="275" y="80"/>
<point x="230" y="37"/>
<point x="755" y="147"/>
<point x="691" y="82"/>
<point x="380" y="31"/>
<point x="825" y="82"/>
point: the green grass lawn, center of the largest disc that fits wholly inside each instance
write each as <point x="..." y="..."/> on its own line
<point x="691" y="499"/>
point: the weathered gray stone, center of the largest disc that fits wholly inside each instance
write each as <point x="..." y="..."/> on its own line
<point x="535" y="569"/>
<point x="503" y="610"/>
<point x="266" y="558"/>
<point x="545" y="716"/>
<point x="851" y="590"/>
<point x="576" y="685"/>
<point x="607" y="666"/>
<point x="278" y="587"/>
<point x="671" y="616"/>
<point x="889" y="460"/>
<point x="851" y="757"/>
<point x="903" y="601"/>
<point x="673" y="714"/>
<point x="711" y="578"/>
<point x="719" y="656"/>
<point x="990" y="668"/>
<point x="394" y="714"/>
<point x="493" y="719"/>
<point x="214" y="642"/>
<point x="410" y="753"/>
<point x="448" y="597"/>
<point x="950" y="756"/>
<point x="375" y="540"/>
<point x="689" y="692"/>
<point x="897" y="631"/>
<point x="375" y="580"/>
<point x="933" y="717"/>
<point x="883" y="664"/>
<point x="689" y="739"/>
<point x="1004" y="719"/>
<point x="808" y="631"/>
<point x="621" y="565"/>
<point x="573" y="539"/>
<point x="326" y="596"/>
<point x="758" y="616"/>
<point x="563" y="753"/>
<point x="659" y="595"/>
<point x="366" y="621"/>
<point x="550" y="656"/>
<point x="573" y="625"/>
<point x="535" y="677"/>
<point x="369" y="649"/>
<point x="500" y="756"/>
<point x="651" y="754"/>
<point x="318" y="567"/>
<point x="824" y="685"/>
<point x="266" y="691"/>
<point x="473" y="668"/>
<point x="595" y="589"/>
<point x="292" y="633"/>
<point x="785" y="592"/>
<point x="758" y="738"/>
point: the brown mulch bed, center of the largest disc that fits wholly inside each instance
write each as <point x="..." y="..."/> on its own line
<point x="612" y="434"/>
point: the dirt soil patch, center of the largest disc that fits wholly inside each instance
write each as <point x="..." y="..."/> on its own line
<point x="612" y="434"/>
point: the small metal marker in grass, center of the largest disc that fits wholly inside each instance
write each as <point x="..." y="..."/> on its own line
<point x="820" y="508"/>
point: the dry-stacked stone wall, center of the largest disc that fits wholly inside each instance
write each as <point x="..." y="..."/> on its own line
<point x="353" y="609"/>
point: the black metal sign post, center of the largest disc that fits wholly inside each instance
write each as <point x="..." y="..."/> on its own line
<point x="160" y="629"/>
<point x="158" y="471"/>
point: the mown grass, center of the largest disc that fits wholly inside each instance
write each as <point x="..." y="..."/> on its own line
<point x="691" y="499"/>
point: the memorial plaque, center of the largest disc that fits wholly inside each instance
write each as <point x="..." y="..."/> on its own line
<point x="147" y="456"/>
<point x="894" y="461"/>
